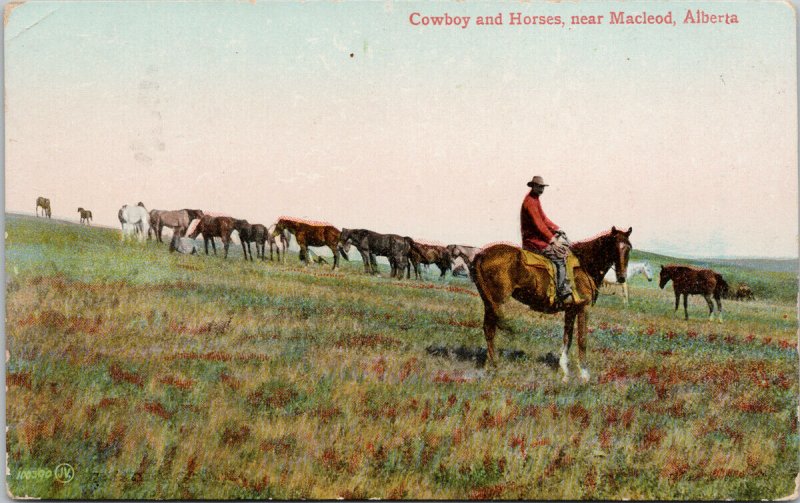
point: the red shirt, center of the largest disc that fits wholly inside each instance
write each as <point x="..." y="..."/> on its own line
<point x="537" y="229"/>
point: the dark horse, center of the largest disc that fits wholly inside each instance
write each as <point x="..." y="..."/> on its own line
<point x="308" y="234"/>
<point x="260" y="235"/>
<point x="500" y="272"/>
<point x="246" y="237"/>
<point x="211" y="227"/>
<point x="371" y="244"/>
<point x="692" y="281"/>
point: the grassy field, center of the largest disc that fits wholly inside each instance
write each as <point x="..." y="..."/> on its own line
<point x="155" y="375"/>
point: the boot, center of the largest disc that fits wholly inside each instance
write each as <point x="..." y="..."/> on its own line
<point x="563" y="289"/>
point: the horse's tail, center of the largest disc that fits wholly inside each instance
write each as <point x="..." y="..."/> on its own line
<point x="493" y="311"/>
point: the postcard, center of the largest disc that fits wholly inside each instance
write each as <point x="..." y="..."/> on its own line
<point x="401" y="250"/>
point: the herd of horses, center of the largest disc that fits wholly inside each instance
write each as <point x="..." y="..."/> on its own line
<point x="499" y="271"/>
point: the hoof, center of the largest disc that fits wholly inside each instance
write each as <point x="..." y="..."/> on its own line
<point x="565" y="379"/>
<point x="585" y="375"/>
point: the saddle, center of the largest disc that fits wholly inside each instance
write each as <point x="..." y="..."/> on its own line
<point x="532" y="259"/>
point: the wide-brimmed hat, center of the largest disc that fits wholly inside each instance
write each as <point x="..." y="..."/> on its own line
<point x="537" y="180"/>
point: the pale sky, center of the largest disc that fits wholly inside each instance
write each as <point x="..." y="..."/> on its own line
<point x="687" y="133"/>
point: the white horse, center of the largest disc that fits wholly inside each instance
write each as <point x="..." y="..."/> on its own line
<point x="135" y="221"/>
<point x="634" y="268"/>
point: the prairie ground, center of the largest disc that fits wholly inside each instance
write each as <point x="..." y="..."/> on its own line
<point x="155" y="375"/>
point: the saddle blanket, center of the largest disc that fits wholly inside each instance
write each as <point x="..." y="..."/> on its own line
<point x="533" y="259"/>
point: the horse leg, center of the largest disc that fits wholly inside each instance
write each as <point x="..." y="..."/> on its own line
<point x="365" y="259"/>
<point x="335" y="251"/>
<point x="244" y="249"/>
<point x="569" y="327"/>
<point x="226" y="243"/>
<point x="677" y="299"/>
<point x="214" y="245"/>
<point x="304" y="253"/>
<point x="686" y="306"/>
<point x="582" y="319"/>
<point x="719" y="309"/>
<point x="625" y="291"/>
<point x="710" y="306"/>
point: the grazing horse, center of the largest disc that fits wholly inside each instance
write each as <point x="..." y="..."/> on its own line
<point x="688" y="280"/>
<point x="428" y="254"/>
<point x="461" y="271"/>
<point x="634" y="268"/>
<point x="312" y="234"/>
<point x="44" y="204"/>
<point x="86" y="215"/>
<point x="467" y="253"/>
<point x="177" y="220"/>
<point x="744" y="292"/>
<point x="500" y="271"/>
<point x="211" y="227"/>
<point x="246" y="237"/>
<point x="135" y="221"/>
<point x="281" y="244"/>
<point x="181" y="244"/>
<point x="371" y="244"/>
<point x="260" y="235"/>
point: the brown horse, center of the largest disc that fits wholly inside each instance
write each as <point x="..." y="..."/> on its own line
<point x="428" y="254"/>
<point x="312" y="234"/>
<point x="688" y="280"/>
<point x="211" y="227"/>
<point x="500" y="272"/>
<point x="86" y="215"/>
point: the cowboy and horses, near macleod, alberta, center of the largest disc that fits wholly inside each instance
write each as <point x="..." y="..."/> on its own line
<point x="442" y="346"/>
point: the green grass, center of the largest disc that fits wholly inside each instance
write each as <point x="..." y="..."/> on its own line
<point x="156" y="375"/>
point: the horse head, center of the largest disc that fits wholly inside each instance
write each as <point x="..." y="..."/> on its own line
<point x="344" y="249"/>
<point x="663" y="277"/>
<point x="622" y="250"/>
<point x="280" y="226"/>
<point x="648" y="271"/>
<point x="345" y="236"/>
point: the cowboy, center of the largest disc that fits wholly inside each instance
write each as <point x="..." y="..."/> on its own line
<point x="542" y="236"/>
